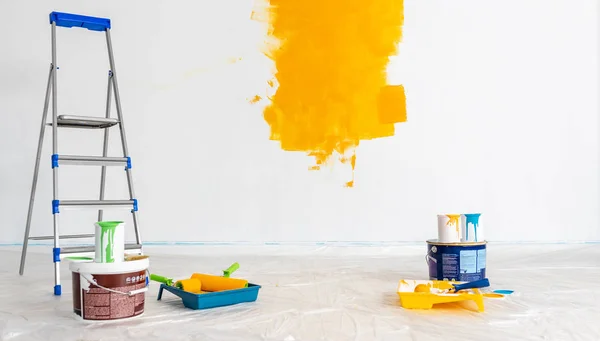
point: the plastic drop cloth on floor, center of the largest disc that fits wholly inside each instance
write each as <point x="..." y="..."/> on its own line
<point x="321" y="293"/>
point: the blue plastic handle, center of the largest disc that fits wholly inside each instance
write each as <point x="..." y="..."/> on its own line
<point x="76" y="20"/>
<point x="475" y="284"/>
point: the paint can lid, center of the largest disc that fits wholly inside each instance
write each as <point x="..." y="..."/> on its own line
<point x="436" y="242"/>
<point x="92" y="267"/>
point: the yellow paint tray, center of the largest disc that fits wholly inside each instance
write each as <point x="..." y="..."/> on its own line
<point x="410" y="299"/>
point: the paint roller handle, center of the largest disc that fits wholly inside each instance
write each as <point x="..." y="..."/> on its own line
<point x="161" y="279"/>
<point x="227" y="272"/>
<point x="471" y="285"/>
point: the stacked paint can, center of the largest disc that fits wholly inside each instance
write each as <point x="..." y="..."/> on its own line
<point x="459" y="252"/>
<point x="109" y="286"/>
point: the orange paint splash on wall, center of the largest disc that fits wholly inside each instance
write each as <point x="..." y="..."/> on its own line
<point x="331" y="75"/>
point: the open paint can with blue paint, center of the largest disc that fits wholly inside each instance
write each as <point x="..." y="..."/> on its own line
<point x="471" y="231"/>
<point x="463" y="261"/>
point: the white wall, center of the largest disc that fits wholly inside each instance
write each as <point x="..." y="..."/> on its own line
<point x="503" y="119"/>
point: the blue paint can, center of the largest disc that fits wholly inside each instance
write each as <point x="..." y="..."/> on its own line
<point x="456" y="261"/>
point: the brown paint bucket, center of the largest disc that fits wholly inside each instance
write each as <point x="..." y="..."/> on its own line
<point x="109" y="291"/>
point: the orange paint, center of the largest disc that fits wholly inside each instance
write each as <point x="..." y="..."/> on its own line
<point x="391" y="104"/>
<point x="331" y="75"/>
<point x="454" y="219"/>
<point x="255" y="99"/>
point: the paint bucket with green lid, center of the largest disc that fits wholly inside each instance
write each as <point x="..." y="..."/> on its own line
<point x="110" y="242"/>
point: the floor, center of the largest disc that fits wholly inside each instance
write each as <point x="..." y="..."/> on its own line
<point x="321" y="293"/>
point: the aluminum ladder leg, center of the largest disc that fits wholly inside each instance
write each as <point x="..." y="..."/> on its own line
<point x="82" y="122"/>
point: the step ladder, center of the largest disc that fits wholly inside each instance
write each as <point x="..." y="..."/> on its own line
<point x="82" y="122"/>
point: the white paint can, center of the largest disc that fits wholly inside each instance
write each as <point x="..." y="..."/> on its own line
<point x="105" y="292"/>
<point x="449" y="228"/>
<point x="110" y="242"/>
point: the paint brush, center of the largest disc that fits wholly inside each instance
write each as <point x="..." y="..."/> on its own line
<point x="129" y="258"/>
<point x="482" y="283"/>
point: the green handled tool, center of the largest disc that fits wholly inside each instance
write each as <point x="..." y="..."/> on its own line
<point x="167" y="281"/>
<point x="162" y="279"/>
<point x="227" y="272"/>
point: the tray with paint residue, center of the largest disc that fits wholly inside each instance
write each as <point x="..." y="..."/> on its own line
<point x="215" y="299"/>
<point x="436" y="293"/>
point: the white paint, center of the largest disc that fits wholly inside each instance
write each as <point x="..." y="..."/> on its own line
<point x="516" y="79"/>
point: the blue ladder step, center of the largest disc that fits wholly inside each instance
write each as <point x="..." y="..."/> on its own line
<point x="76" y="20"/>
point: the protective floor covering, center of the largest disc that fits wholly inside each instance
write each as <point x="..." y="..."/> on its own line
<point x="322" y="293"/>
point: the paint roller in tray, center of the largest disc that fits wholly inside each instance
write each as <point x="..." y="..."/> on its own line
<point x="190" y="285"/>
<point x="201" y="283"/>
<point x="213" y="283"/>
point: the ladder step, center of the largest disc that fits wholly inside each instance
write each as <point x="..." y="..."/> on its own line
<point x="89" y="122"/>
<point x="75" y="20"/>
<point x="130" y="204"/>
<point x="84" y="249"/>
<point x="90" y="160"/>
<point x="66" y="236"/>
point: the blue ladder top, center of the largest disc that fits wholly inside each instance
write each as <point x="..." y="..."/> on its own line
<point x="76" y="20"/>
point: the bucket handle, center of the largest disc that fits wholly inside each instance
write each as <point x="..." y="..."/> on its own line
<point x="428" y="258"/>
<point x="130" y="293"/>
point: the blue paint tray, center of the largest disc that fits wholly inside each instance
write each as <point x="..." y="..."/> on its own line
<point x="213" y="299"/>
